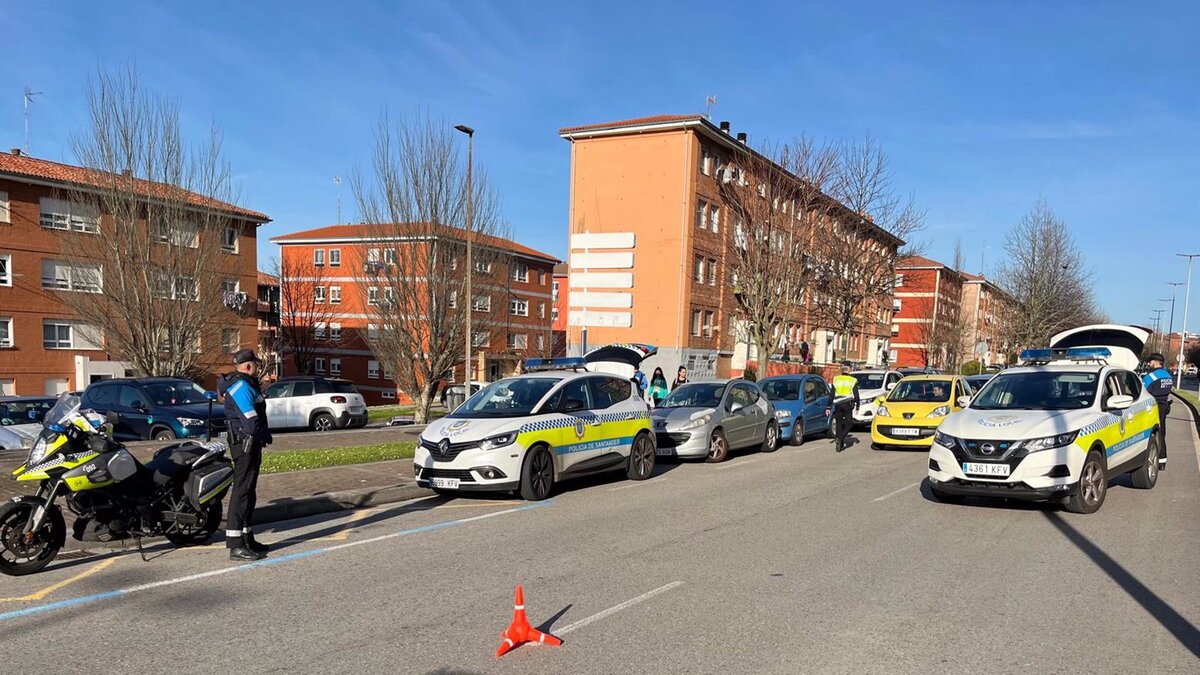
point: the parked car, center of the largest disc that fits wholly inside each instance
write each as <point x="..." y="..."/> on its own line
<point x="458" y="389"/>
<point x="315" y="403"/>
<point x="910" y="413"/>
<point x="1191" y="370"/>
<point x="871" y="385"/>
<point x="708" y="419"/>
<point x="802" y="405"/>
<point x="977" y="381"/>
<point x="21" y="420"/>
<point x="158" y="408"/>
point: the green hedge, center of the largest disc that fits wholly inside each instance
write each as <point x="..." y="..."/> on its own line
<point x="972" y="368"/>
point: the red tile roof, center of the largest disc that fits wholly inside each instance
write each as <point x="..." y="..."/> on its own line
<point x="265" y="279"/>
<point x="912" y="261"/>
<point x="31" y="167"/>
<point x="366" y="233"/>
<point x="637" y="121"/>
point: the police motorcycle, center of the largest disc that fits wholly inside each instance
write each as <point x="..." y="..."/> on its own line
<point x="177" y="494"/>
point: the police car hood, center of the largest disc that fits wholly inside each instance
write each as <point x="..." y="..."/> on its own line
<point x="462" y="430"/>
<point x="1014" y="424"/>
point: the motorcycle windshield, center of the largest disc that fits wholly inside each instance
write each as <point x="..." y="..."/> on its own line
<point x="53" y="423"/>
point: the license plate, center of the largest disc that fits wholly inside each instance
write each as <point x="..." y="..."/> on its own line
<point x="901" y="431"/>
<point x="986" y="469"/>
<point x="447" y="483"/>
<point x="357" y="409"/>
<point x="664" y="452"/>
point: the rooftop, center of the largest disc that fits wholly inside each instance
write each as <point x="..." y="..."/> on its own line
<point x="635" y="122"/>
<point x="364" y="233"/>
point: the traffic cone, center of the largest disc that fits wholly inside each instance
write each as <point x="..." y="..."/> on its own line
<point x="520" y="631"/>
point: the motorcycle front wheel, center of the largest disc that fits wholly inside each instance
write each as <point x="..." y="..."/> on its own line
<point x="20" y="556"/>
<point x="196" y="535"/>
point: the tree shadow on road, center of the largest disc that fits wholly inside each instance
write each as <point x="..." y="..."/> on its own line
<point x="387" y="514"/>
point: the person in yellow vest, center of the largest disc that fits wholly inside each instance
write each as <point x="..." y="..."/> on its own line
<point x="845" y="402"/>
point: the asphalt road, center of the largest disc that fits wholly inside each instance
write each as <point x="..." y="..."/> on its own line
<point x="799" y="561"/>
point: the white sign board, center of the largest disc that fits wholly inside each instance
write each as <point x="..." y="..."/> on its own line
<point x="600" y="319"/>
<point x="589" y="299"/>
<point x="606" y="240"/>
<point x="604" y="261"/>
<point x="601" y="280"/>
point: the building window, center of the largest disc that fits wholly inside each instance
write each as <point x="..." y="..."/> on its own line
<point x="708" y="324"/>
<point x="714" y="219"/>
<point x="57" y="386"/>
<point x="554" y="291"/>
<point x="480" y="339"/>
<point x="179" y="233"/>
<point x="389" y="296"/>
<point x="712" y="272"/>
<point x="696" y="322"/>
<point x="541" y="341"/>
<point x="229" y="239"/>
<point x="62" y="276"/>
<point x="372" y="255"/>
<point x="896" y="305"/>
<point x="482" y="303"/>
<point x="372" y="295"/>
<point x="701" y="214"/>
<point x="5" y="270"/>
<point x="373" y="370"/>
<point x="518" y="307"/>
<point x="6" y="333"/>
<point x="60" y="214"/>
<point x="335" y="295"/>
<point x="453" y="298"/>
<point x="518" y="341"/>
<point x="57" y="334"/>
<point x="335" y="367"/>
<point x="319" y="330"/>
<point x="895" y="330"/>
<point x="319" y="295"/>
<point x="892" y="355"/>
<point x="5" y="209"/>
<point x="372" y="332"/>
<point x="899" y="280"/>
<point x="483" y="266"/>
<point x="8" y="387"/>
<point x="706" y="161"/>
<point x="335" y="331"/>
<point x="453" y="264"/>
<point x="387" y="373"/>
<point x="388" y="395"/>
<point x="520" y="272"/>
<point x="541" y="278"/>
<point x="541" y="309"/>
<point x="554" y="314"/>
<point x="335" y="257"/>
<point x="699" y="270"/>
<point x="319" y="257"/>
<point x="231" y="339"/>
<point x="319" y="365"/>
<point x="389" y="256"/>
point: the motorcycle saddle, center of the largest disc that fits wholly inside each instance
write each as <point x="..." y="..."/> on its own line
<point x="170" y="461"/>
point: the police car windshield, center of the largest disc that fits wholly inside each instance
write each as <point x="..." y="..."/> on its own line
<point x="704" y="395"/>
<point x="1061" y="390"/>
<point x="920" y="391"/>
<point x="506" y="398"/>
<point x="868" y="380"/>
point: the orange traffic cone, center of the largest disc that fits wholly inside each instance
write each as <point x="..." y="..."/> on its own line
<point x="520" y="631"/>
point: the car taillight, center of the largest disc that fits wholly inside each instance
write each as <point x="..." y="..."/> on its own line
<point x="338" y="399"/>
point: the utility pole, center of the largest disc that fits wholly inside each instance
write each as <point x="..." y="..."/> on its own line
<point x="1183" y="330"/>
<point x="29" y="94"/>
<point x="1171" y="325"/>
<point x="467" y="307"/>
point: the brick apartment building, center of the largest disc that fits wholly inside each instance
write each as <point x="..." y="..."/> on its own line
<point x="44" y="347"/>
<point x="927" y="302"/>
<point x="650" y="249"/>
<point x="558" y="310"/>
<point x="984" y="305"/>
<point x="268" y="323"/>
<point x="514" y="300"/>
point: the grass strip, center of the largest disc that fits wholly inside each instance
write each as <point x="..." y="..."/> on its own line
<point x="1189" y="396"/>
<point x="385" y="413"/>
<point x="297" y="460"/>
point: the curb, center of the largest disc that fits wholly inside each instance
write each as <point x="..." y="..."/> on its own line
<point x="1192" y="408"/>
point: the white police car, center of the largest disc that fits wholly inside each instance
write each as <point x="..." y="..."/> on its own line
<point x="526" y="433"/>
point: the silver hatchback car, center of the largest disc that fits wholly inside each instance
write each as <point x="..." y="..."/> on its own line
<point x="708" y="419"/>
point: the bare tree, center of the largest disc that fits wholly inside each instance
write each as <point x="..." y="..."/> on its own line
<point x="303" y="309"/>
<point x="1044" y="271"/>
<point x="142" y="241"/>
<point x="773" y="198"/>
<point x="415" y="205"/>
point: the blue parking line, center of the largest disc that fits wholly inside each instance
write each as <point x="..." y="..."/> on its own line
<point x="269" y="562"/>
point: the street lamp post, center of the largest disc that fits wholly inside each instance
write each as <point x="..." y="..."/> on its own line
<point x="1171" y="323"/>
<point x="467" y="306"/>
<point x="1183" y="330"/>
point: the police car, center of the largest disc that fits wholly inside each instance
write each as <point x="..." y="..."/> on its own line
<point x="1056" y="429"/>
<point x="526" y="433"/>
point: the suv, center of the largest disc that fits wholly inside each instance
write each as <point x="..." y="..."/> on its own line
<point x="158" y="408"/>
<point x="315" y="403"/>
<point x="871" y="385"/>
<point x="528" y="432"/>
<point x="1055" y="430"/>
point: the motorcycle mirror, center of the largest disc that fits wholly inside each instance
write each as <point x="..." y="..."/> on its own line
<point x="210" y="395"/>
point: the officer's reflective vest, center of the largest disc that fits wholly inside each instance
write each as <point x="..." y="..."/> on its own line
<point x="843" y="386"/>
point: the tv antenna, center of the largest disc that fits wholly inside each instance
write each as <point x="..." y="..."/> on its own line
<point x="337" y="180"/>
<point x="29" y="94"/>
<point x="708" y="106"/>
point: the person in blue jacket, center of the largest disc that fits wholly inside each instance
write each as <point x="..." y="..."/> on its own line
<point x="246" y="412"/>
<point x="1159" y="383"/>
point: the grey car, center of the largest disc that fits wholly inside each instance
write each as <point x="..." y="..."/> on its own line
<point x="708" y="419"/>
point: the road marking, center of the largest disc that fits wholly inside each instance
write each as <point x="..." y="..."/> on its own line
<point x="613" y="610"/>
<point x="636" y="483"/>
<point x="62" y="584"/>
<point x="893" y="493"/>
<point x="741" y="463"/>
<point x="246" y="567"/>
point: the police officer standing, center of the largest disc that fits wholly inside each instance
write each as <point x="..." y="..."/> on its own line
<point x="1159" y="383"/>
<point x="246" y="414"/>
<point x="845" y="402"/>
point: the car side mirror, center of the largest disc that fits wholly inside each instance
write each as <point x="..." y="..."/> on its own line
<point x="736" y="407"/>
<point x="573" y="405"/>
<point x="964" y="401"/>
<point x="1118" y="402"/>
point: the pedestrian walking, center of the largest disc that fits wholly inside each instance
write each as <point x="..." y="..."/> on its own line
<point x="805" y="357"/>
<point x="246" y="413"/>
<point x="658" y="387"/>
<point x="845" y="402"/>
<point x="1159" y="383"/>
<point x="680" y="378"/>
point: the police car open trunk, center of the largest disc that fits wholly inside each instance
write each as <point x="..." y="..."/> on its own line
<point x="1125" y="342"/>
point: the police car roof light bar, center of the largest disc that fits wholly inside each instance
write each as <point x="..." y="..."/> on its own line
<point x="1070" y="354"/>
<point x="566" y="363"/>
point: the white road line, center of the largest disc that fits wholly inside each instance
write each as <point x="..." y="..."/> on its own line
<point x="893" y="493"/>
<point x="638" y="483"/>
<point x="741" y="463"/>
<point x="613" y="610"/>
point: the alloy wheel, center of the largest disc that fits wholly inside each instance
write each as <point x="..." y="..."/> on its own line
<point x="643" y="456"/>
<point x="543" y="474"/>
<point x="1093" y="483"/>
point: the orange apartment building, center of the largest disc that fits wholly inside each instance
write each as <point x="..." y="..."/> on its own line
<point x="984" y="305"/>
<point x="44" y="348"/>
<point x="515" y="303"/>
<point x="927" y="298"/>
<point x="650" y="249"/>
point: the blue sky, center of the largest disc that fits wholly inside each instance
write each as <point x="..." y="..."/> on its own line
<point x="983" y="108"/>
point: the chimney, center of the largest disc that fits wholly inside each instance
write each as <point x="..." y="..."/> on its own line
<point x="16" y="151"/>
<point x="741" y="137"/>
<point x="725" y="126"/>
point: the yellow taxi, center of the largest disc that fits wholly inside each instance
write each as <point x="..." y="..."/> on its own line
<point x="909" y="414"/>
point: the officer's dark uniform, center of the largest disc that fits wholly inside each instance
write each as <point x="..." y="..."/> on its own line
<point x="845" y="389"/>
<point x="1159" y="384"/>
<point x="246" y="414"/>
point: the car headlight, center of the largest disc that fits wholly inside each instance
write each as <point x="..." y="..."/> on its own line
<point x="696" y="423"/>
<point x="882" y="411"/>
<point x="944" y="440"/>
<point x="189" y="421"/>
<point x="782" y="414"/>
<point x="498" y="441"/>
<point x="940" y="411"/>
<point x="1050" y="442"/>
